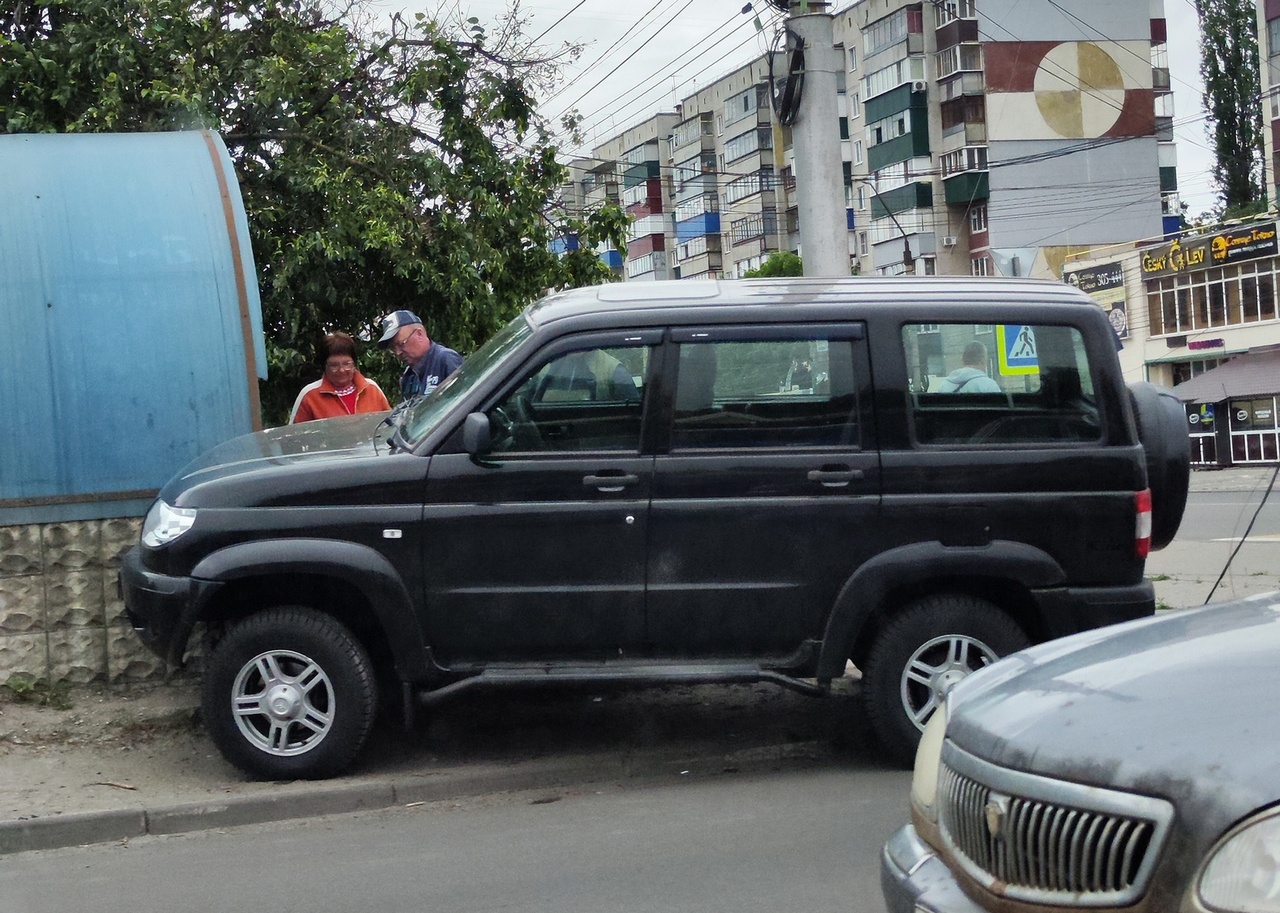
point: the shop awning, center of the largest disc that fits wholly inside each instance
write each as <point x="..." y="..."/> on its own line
<point x="1184" y="355"/>
<point x="1249" y="375"/>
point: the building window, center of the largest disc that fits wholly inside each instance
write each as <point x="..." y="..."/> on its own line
<point x="748" y="185"/>
<point x="945" y="11"/>
<point x="978" y="219"/>
<point x="857" y="152"/>
<point x="753" y="226"/>
<point x="1224" y="297"/>
<point x="1273" y="38"/>
<point x="980" y="266"/>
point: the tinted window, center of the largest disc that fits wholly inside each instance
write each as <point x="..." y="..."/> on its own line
<point x="585" y="400"/>
<point x="762" y="393"/>
<point x="999" y="384"/>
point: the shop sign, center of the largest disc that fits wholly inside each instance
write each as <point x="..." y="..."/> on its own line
<point x="1245" y="243"/>
<point x="1201" y="419"/>
<point x="1207" y="344"/>
<point x="1104" y="284"/>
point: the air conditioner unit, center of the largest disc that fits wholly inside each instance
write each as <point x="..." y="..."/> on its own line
<point x="919" y="86"/>
<point x="949" y="241"/>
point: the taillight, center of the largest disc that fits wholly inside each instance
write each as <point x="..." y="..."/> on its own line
<point x="1142" y="523"/>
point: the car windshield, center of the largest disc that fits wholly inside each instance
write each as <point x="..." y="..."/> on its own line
<point x="424" y="412"/>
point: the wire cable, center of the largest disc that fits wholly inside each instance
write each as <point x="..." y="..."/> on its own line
<point x="1248" y="529"/>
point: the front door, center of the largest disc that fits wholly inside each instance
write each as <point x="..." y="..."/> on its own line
<point x="537" y="551"/>
<point x="766" y="497"/>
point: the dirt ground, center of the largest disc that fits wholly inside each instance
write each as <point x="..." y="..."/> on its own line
<point x="144" y="748"/>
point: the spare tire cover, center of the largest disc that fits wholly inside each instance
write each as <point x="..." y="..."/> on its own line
<point x="1162" y="429"/>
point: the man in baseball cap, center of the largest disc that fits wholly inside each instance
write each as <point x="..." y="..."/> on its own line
<point x="428" y="363"/>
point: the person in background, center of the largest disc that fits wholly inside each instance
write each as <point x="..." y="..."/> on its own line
<point x="342" y="389"/>
<point x="971" y="377"/>
<point x="428" y="363"/>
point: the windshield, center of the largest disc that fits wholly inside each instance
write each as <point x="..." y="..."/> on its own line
<point x="423" y="413"/>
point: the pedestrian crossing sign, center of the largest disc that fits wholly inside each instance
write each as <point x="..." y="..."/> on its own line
<point x="1017" y="349"/>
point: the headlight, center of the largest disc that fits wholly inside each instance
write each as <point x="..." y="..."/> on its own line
<point x="164" y="524"/>
<point x="1243" y="871"/>
<point x="924" y="778"/>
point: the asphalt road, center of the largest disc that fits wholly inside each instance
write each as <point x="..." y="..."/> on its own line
<point x="1207" y="561"/>
<point x="796" y="839"/>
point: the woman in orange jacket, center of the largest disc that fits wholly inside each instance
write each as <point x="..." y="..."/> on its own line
<point x="342" y="390"/>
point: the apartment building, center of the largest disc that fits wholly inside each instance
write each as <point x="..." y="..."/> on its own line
<point x="993" y="137"/>
<point x="629" y="170"/>
<point x="1003" y="134"/>
<point x="1269" y="56"/>
<point x="1198" y="312"/>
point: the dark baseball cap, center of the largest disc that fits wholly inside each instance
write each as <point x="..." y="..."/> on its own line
<point x="392" y="324"/>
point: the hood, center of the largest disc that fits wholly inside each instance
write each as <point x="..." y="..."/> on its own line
<point x="1176" y="706"/>
<point x="285" y="460"/>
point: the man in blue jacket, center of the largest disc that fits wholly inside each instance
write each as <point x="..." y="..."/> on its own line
<point x="428" y="363"/>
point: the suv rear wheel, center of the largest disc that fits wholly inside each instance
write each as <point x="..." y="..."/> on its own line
<point x="289" y="693"/>
<point x="921" y="653"/>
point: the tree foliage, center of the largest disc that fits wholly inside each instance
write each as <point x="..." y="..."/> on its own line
<point x="780" y="263"/>
<point x="1232" y="82"/>
<point x="402" y="166"/>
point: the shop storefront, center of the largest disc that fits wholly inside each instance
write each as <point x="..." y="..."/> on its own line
<point x="1231" y="411"/>
<point x="1212" y="300"/>
<point x="1200" y="314"/>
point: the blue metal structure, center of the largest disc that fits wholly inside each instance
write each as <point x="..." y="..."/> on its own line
<point x="130" y="322"/>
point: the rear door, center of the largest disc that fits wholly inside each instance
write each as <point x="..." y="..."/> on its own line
<point x="765" y="489"/>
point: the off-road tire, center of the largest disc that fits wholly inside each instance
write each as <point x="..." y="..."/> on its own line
<point x="921" y="652"/>
<point x="289" y="693"/>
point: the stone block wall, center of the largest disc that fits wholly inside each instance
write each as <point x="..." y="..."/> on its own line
<point x="60" y="618"/>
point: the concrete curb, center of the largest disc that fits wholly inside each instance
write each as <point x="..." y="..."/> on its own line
<point x="381" y="791"/>
<point x="312" y="800"/>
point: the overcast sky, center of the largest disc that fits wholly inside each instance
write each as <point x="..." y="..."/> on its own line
<point x="643" y="56"/>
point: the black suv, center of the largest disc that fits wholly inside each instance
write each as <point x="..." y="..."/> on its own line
<point x="676" y="482"/>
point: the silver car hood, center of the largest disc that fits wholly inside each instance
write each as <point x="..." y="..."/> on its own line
<point x="1178" y="706"/>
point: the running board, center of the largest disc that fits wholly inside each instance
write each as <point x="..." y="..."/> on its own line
<point x="641" y="673"/>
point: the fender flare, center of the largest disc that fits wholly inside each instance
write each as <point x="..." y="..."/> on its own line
<point x="864" y="593"/>
<point x="363" y="567"/>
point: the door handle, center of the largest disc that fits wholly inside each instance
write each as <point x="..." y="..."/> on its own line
<point x="832" y="477"/>
<point x="610" y="481"/>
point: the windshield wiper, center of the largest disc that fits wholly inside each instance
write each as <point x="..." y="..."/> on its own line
<point x="395" y="418"/>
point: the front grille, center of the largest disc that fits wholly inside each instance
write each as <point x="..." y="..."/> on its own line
<point x="1048" y="841"/>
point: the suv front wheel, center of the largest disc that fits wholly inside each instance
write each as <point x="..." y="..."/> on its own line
<point x="921" y="653"/>
<point x="289" y="693"/>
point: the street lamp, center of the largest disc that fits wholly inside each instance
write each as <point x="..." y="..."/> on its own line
<point x="908" y="261"/>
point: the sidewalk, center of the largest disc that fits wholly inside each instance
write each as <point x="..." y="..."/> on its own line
<point x="1184" y="573"/>
<point x="134" y="762"/>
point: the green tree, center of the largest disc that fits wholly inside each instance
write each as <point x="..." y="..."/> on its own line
<point x="1232" y="83"/>
<point x="398" y="167"/>
<point x="781" y="263"/>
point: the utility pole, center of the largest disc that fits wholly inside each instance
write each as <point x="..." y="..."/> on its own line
<point x="815" y="136"/>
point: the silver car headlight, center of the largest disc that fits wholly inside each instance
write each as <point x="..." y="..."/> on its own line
<point x="924" y="776"/>
<point x="163" y="524"/>
<point x="1243" y="871"/>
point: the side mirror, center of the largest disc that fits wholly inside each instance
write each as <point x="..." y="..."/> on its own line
<point x="475" y="434"/>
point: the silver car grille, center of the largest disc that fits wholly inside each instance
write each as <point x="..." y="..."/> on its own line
<point x="1048" y="841"/>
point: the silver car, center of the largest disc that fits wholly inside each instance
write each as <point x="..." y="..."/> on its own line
<point x="1131" y="768"/>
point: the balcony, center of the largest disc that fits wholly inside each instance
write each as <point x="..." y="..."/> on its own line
<point x="966" y="187"/>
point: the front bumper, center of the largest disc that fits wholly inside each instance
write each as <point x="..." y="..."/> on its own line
<point x="158" y="606"/>
<point x="914" y="880"/>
